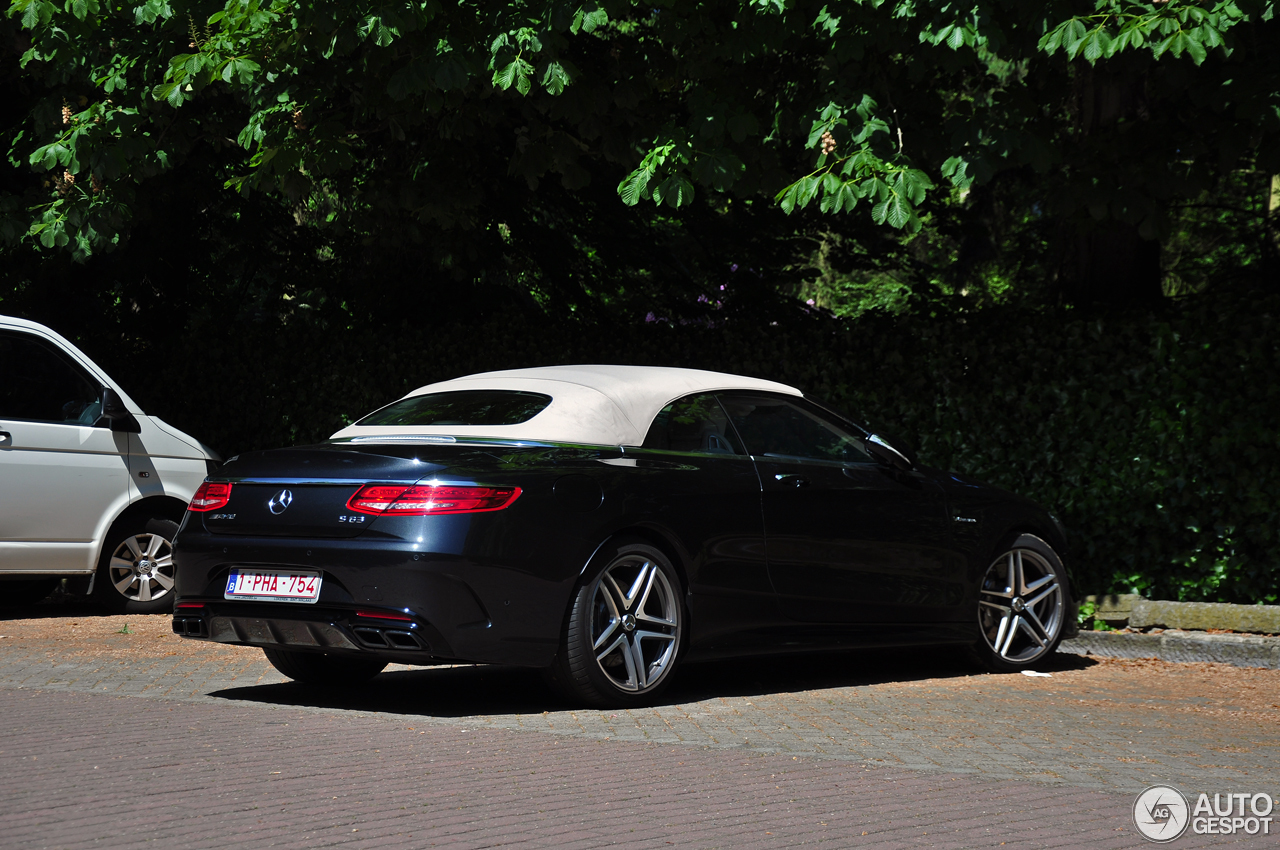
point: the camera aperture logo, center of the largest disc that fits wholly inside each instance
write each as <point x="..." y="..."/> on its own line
<point x="1161" y="813"/>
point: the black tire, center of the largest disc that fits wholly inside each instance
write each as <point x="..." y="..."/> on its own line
<point x="317" y="668"/>
<point x="135" y="570"/>
<point x="1022" y="606"/>
<point x="27" y="591"/>
<point x="638" y="628"/>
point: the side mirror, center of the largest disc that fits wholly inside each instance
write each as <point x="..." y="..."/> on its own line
<point x="113" y="409"/>
<point x="880" y="449"/>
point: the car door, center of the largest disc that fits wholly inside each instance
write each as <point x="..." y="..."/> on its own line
<point x="703" y="487"/>
<point x="60" y="473"/>
<point x="849" y="540"/>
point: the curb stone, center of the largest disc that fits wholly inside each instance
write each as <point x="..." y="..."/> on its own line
<point x="1205" y="615"/>
<point x="1174" y="645"/>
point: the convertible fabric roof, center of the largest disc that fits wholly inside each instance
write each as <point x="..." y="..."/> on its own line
<point x="595" y="405"/>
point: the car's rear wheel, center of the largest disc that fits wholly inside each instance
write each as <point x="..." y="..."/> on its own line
<point x="1022" y="606"/>
<point x="624" y="631"/>
<point x="317" y="668"/>
<point x="136" y="572"/>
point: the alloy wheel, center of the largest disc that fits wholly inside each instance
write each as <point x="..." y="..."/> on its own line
<point x="141" y="567"/>
<point x="635" y="624"/>
<point x="1021" y="606"/>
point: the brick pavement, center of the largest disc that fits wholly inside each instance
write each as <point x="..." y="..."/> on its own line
<point x="862" y="741"/>
<point x="127" y="772"/>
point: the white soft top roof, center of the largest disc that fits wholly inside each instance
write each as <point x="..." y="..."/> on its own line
<point x="595" y="405"/>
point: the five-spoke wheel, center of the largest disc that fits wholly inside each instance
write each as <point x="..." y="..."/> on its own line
<point x="1021" y="605"/>
<point x="624" y="630"/>
<point x="136" y="573"/>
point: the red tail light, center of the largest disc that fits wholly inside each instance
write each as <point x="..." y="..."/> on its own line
<point x="421" y="500"/>
<point x="210" y="496"/>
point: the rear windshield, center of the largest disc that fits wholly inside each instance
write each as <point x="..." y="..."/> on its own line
<point x="463" y="407"/>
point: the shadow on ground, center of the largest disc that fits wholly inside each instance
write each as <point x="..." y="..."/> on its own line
<point x="58" y="605"/>
<point x="467" y="691"/>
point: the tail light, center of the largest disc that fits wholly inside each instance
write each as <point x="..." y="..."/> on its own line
<point x="429" y="499"/>
<point x="210" y="496"/>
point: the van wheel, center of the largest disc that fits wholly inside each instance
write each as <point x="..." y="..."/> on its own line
<point x="136" y="572"/>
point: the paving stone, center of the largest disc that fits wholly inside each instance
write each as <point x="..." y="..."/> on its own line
<point x="815" y="751"/>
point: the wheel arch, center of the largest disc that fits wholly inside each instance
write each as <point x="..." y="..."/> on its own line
<point x="1050" y="537"/>
<point x="1054" y="541"/>
<point x="165" y="507"/>
<point x="660" y="539"/>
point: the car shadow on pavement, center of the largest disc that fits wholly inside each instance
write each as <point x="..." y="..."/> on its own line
<point x="74" y="607"/>
<point x="471" y="690"/>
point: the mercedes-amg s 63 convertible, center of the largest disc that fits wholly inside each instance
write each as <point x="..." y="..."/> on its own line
<point x="606" y="523"/>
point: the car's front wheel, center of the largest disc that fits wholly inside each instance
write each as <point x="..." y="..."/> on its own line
<point x="624" y="631"/>
<point x="317" y="668"/>
<point x="136" y="572"/>
<point x="1022" y="606"/>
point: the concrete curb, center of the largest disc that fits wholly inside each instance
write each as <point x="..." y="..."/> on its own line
<point x="1137" y="612"/>
<point x="1173" y="645"/>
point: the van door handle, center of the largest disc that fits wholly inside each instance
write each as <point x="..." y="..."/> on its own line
<point x="793" y="479"/>
<point x="6" y="439"/>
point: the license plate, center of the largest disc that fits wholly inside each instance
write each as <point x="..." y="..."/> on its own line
<point x="273" y="585"/>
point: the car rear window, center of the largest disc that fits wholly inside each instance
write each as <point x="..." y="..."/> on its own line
<point x="462" y="407"/>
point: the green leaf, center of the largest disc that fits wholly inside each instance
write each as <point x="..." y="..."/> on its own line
<point x="1195" y="49"/>
<point x="788" y="197"/>
<point x="171" y="92"/>
<point x="676" y="191"/>
<point x="555" y="78"/>
<point x="451" y="75"/>
<point x="411" y="79"/>
<point x="1095" y="45"/>
<point x="588" y="19"/>
<point x="635" y="186"/>
<point x="718" y="169"/>
<point x="742" y="125"/>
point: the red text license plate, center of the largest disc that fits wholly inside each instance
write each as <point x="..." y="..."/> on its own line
<point x="273" y="585"/>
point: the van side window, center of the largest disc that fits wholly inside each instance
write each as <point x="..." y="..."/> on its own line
<point x="695" y="423"/>
<point x="39" y="384"/>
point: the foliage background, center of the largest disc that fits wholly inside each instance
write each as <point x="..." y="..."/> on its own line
<point x="1039" y="240"/>
<point x="1152" y="435"/>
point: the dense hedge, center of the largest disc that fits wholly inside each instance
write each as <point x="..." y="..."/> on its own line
<point x="1153" y="436"/>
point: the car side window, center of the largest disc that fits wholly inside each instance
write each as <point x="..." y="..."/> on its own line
<point x="695" y="423"/>
<point x="775" y="427"/>
<point x="41" y="385"/>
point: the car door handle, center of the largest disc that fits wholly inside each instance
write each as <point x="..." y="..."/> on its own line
<point x="6" y="439"/>
<point x="792" y="478"/>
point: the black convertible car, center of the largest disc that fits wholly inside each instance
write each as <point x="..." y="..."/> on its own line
<point x="605" y="523"/>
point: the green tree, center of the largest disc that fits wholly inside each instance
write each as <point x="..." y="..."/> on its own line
<point x="395" y="120"/>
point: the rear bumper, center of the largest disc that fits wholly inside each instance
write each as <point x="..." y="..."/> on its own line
<point x="499" y="610"/>
<point x="334" y="631"/>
